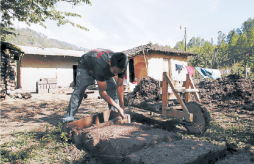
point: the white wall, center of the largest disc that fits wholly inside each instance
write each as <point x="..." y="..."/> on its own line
<point x="35" y="67"/>
<point x="176" y="76"/>
<point x="156" y="67"/>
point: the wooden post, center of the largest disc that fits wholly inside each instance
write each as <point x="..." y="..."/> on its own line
<point x="164" y="91"/>
<point x="175" y="93"/>
<point x="191" y="83"/>
<point x="173" y="112"/>
<point x="187" y="85"/>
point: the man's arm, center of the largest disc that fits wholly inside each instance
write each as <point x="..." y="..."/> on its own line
<point x="102" y="90"/>
<point x="120" y="92"/>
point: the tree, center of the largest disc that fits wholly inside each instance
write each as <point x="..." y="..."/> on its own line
<point x="205" y="51"/>
<point x="247" y="25"/>
<point x="235" y="47"/>
<point x="34" y="11"/>
<point x="180" y="45"/>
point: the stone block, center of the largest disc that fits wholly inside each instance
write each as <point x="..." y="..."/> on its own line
<point x="52" y="80"/>
<point x="41" y="82"/>
<point x="106" y="118"/>
<point x="42" y="91"/>
<point x="53" y="90"/>
<point x="113" y="143"/>
<point x="180" y="152"/>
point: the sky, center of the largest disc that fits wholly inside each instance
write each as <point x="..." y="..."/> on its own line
<point x="120" y="25"/>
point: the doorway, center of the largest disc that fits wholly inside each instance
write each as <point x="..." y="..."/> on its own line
<point x="131" y="70"/>
<point x="74" y="75"/>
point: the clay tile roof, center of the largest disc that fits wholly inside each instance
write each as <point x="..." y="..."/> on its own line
<point x="156" y="48"/>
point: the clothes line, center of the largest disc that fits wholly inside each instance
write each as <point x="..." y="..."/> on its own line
<point x="212" y="73"/>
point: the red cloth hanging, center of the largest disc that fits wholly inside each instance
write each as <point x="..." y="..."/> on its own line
<point x="190" y="70"/>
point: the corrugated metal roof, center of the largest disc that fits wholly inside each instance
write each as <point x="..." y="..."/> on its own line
<point x="50" y="51"/>
<point x="150" y="47"/>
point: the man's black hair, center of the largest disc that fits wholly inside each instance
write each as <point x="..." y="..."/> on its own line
<point x="119" y="59"/>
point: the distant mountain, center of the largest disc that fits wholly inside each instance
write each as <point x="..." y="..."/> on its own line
<point x="28" y="37"/>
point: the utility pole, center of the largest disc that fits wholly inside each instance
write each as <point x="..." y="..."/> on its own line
<point x="185" y="40"/>
<point x="185" y="36"/>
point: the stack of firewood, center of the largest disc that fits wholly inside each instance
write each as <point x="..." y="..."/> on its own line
<point x="8" y="73"/>
<point x="20" y="95"/>
<point x="3" y="73"/>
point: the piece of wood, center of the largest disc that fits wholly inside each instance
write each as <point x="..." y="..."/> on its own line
<point x="176" y="94"/>
<point x="187" y="85"/>
<point x="173" y="107"/>
<point x="164" y="91"/>
<point x="100" y="119"/>
<point x="193" y="87"/>
<point x="191" y="90"/>
<point x="185" y="90"/>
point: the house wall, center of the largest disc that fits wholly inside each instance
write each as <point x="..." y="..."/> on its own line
<point x="140" y="67"/>
<point x="34" y="67"/>
<point x="141" y="71"/>
<point x="140" y="64"/>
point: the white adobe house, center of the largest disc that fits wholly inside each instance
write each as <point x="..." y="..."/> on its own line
<point x="38" y="63"/>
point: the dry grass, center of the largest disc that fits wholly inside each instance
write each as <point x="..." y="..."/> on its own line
<point x="46" y="143"/>
<point x="49" y="146"/>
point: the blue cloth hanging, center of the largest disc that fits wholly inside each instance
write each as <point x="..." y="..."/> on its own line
<point x="178" y="68"/>
<point x="201" y="72"/>
<point x="213" y="73"/>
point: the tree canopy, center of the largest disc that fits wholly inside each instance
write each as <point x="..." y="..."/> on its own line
<point x="235" y="47"/>
<point x="35" y="11"/>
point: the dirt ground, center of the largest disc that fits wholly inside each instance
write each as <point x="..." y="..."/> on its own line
<point x="230" y="102"/>
<point x="41" y="110"/>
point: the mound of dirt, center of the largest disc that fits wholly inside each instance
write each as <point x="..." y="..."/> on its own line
<point x="147" y="91"/>
<point x="232" y="92"/>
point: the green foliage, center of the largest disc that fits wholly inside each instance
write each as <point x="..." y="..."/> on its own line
<point x="206" y="52"/>
<point x="180" y="45"/>
<point x="36" y="12"/>
<point x="240" y="45"/>
<point x="236" y="47"/>
<point x="63" y="136"/>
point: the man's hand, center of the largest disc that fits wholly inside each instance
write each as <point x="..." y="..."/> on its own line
<point x="122" y="113"/>
<point x="102" y="90"/>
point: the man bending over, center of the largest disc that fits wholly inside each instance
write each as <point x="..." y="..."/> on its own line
<point x="101" y="65"/>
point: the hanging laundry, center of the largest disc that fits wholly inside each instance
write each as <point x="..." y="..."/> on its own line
<point x="213" y="73"/>
<point x="201" y="72"/>
<point x="248" y="70"/>
<point x="190" y="70"/>
<point x="223" y="71"/>
<point x="205" y="72"/>
<point x="178" y="68"/>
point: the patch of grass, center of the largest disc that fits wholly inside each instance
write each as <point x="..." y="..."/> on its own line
<point x="40" y="147"/>
<point x="65" y="108"/>
<point x="237" y="133"/>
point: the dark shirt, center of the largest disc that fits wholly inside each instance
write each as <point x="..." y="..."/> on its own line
<point x="97" y="63"/>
